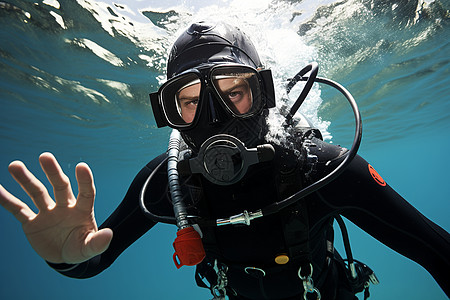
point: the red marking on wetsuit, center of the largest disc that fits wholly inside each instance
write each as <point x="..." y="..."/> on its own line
<point x="376" y="176"/>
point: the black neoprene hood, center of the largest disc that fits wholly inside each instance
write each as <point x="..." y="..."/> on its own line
<point x="204" y="44"/>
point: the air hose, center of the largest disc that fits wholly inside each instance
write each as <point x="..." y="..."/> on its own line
<point x="176" y="195"/>
<point x="313" y="68"/>
<point x="188" y="244"/>
<point x="277" y="206"/>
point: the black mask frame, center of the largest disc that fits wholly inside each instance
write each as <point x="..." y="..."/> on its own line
<point x="203" y="73"/>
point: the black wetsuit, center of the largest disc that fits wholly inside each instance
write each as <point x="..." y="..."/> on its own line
<point x="358" y="194"/>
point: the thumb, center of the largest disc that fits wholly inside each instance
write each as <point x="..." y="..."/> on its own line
<point x="98" y="242"/>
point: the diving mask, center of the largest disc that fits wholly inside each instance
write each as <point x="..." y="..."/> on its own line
<point x="242" y="92"/>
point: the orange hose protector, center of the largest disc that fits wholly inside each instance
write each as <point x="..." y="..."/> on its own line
<point x="188" y="247"/>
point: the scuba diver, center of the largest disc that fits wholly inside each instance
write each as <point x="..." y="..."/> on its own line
<point x="255" y="216"/>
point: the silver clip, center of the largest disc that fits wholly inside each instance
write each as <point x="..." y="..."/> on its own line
<point x="308" y="284"/>
<point x="219" y="291"/>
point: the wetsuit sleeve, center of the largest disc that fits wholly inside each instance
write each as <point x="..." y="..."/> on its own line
<point x="127" y="222"/>
<point x="362" y="196"/>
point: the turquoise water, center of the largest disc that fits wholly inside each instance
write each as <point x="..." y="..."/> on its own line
<point x="75" y="78"/>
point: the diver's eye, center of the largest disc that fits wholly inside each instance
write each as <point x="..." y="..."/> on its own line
<point x="189" y="103"/>
<point x="235" y="96"/>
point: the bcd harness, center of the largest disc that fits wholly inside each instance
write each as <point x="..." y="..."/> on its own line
<point x="291" y="167"/>
<point x="295" y="227"/>
<point x="294" y="219"/>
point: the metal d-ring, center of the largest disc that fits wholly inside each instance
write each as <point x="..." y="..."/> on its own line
<point x="249" y="269"/>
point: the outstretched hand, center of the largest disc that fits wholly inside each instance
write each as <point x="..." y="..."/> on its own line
<point x="64" y="230"/>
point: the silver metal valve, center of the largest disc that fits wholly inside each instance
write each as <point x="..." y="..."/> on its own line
<point x="242" y="218"/>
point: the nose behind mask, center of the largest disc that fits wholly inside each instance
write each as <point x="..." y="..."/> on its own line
<point x="214" y="112"/>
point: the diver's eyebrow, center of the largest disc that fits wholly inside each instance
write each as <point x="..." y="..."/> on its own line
<point x="230" y="89"/>
<point x="184" y="98"/>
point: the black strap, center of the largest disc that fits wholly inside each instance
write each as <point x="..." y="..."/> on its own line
<point x="294" y="218"/>
<point x="296" y="234"/>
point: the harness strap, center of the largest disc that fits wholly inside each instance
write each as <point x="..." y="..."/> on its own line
<point x="296" y="233"/>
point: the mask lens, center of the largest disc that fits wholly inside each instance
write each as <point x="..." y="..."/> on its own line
<point x="180" y="97"/>
<point x="239" y="89"/>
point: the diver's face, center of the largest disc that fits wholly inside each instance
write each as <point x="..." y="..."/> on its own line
<point x="235" y="91"/>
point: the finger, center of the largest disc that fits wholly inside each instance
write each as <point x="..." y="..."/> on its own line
<point x="98" y="242"/>
<point x="86" y="187"/>
<point x="60" y="182"/>
<point x="17" y="208"/>
<point x="31" y="185"/>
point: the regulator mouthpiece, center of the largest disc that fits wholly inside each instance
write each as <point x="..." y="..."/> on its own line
<point x="223" y="159"/>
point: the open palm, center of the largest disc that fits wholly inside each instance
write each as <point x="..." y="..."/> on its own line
<point x="64" y="230"/>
